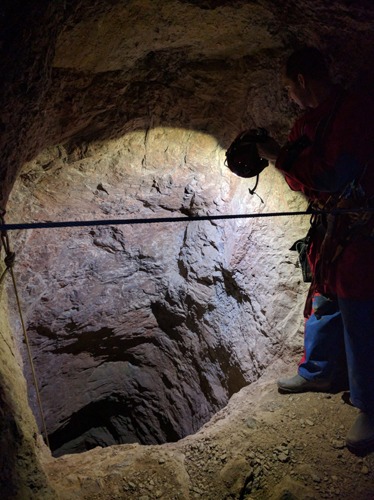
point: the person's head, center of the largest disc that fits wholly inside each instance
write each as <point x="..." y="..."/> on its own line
<point x="306" y="74"/>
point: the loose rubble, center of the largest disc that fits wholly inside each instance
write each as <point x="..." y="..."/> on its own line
<point x="263" y="445"/>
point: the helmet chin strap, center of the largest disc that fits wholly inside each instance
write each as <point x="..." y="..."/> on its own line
<point x="253" y="190"/>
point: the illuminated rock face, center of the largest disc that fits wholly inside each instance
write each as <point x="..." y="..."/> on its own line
<point x="128" y="109"/>
<point x="142" y="332"/>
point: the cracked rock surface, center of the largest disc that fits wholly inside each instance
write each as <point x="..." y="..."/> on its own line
<point x="140" y="333"/>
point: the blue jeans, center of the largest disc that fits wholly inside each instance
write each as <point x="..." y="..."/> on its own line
<point x="340" y="334"/>
<point x="324" y="350"/>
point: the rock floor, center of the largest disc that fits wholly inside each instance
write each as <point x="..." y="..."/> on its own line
<point x="262" y="445"/>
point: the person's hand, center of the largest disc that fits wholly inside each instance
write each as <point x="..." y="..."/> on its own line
<point x="269" y="149"/>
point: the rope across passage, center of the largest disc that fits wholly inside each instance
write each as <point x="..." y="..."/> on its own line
<point x="158" y="220"/>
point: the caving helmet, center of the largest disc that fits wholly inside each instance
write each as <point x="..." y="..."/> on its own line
<point x="242" y="157"/>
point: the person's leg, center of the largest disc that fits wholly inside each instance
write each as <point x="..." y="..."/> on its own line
<point x="324" y="353"/>
<point x="323" y="365"/>
<point x="358" y="319"/>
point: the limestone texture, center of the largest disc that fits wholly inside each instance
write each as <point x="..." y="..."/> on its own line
<point x="141" y="332"/>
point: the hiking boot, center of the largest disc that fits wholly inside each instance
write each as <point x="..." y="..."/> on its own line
<point x="301" y="384"/>
<point x="361" y="435"/>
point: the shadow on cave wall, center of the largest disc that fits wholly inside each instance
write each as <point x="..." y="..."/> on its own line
<point x="115" y="419"/>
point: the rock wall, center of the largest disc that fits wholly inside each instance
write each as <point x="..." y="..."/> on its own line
<point x="21" y="448"/>
<point x="142" y="332"/>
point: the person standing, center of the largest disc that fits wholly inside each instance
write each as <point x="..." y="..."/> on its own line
<point x="329" y="157"/>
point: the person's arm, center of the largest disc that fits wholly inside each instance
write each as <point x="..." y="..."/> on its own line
<point x="330" y="164"/>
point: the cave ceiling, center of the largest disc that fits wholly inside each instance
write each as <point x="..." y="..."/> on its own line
<point x="76" y="71"/>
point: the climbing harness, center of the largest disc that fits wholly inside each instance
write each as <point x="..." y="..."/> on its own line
<point x="9" y="263"/>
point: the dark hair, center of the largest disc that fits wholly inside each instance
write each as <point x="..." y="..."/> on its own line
<point x="309" y="62"/>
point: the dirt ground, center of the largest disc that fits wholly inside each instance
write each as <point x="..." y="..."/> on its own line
<point x="262" y="445"/>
